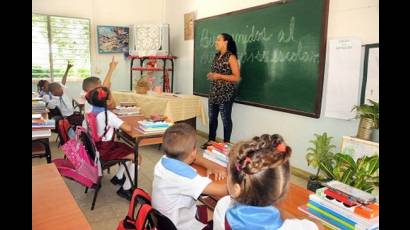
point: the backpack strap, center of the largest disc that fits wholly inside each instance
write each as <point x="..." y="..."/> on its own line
<point x="143" y="213"/>
<point x="227" y="226"/>
<point x="91" y="121"/>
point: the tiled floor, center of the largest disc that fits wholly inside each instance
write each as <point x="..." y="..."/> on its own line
<point x="110" y="208"/>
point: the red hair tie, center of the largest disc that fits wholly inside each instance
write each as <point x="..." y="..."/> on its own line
<point x="281" y="147"/>
<point x="101" y="94"/>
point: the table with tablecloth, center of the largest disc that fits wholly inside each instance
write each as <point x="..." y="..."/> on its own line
<point x="177" y="107"/>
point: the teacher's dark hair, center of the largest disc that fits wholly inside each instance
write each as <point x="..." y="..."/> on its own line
<point x="231" y="44"/>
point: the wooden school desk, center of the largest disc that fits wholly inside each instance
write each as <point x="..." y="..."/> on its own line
<point x="53" y="206"/>
<point x="137" y="139"/>
<point x="288" y="207"/>
<point x="40" y="142"/>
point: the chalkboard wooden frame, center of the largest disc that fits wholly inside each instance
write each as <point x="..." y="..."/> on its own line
<point x="322" y="56"/>
<point x="365" y="69"/>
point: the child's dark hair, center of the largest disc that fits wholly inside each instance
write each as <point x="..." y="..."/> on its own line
<point x="41" y="84"/>
<point x="179" y="140"/>
<point x="231" y="44"/>
<point x="99" y="97"/>
<point x="261" y="168"/>
<point x="87" y="82"/>
<point x="53" y="86"/>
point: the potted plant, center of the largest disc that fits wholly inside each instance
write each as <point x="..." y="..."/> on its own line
<point x="361" y="174"/>
<point x="369" y="121"/>
<point x="320" y="152"/>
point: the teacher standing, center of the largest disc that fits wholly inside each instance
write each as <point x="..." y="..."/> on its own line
<point x="224" y="76"/>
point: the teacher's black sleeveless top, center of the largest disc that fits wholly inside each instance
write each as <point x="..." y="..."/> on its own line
<point x="221" y="91"/>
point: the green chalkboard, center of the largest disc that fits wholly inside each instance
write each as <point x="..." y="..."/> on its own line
<point x="281" y="49"/>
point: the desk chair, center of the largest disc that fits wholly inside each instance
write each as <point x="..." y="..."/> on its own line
<point x="91" y="150"/>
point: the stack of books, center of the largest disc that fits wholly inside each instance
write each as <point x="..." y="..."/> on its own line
<point x="341" y="213"/>
<point x="127" y="110"/>
<point x="40" y="123"/>
<point x="153" y="127"/>
<point x="38" y="106"/>
<point x="218" y="153"/>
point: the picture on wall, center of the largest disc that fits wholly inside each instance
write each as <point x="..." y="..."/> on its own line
<point x="189" y="26"/>
<point x="112" y="39"/>
<point x="370" y="85"/>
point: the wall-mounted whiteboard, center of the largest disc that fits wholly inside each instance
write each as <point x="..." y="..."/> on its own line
<point x="370" y="85"/>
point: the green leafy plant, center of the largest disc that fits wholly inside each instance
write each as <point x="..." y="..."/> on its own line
<point x="361" y="174"/>
<point x="369" y="111"/>
<point x="320" y="152"/>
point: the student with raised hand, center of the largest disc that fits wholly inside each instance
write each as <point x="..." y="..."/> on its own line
<point x="109" y="149"/>
<point x="91" y="83"/>
<point x="59" y="98"/>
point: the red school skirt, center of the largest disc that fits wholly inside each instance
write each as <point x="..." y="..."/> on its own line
<point x="112" y="150"/>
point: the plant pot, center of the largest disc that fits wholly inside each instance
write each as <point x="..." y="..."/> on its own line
<point x="314" y="183"/>
<point x="375" y="135"/>
<point x="365" y="128"/>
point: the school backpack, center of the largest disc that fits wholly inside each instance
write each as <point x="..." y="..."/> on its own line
<point x="147" y="217"/>
<point x="79" y="165"/>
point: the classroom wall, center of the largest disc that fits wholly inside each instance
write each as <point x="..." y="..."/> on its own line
<point x="358" y="18"/>
<point x="104" y="12"/>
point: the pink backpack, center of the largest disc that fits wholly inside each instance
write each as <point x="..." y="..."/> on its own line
<point x="78" y="166"/>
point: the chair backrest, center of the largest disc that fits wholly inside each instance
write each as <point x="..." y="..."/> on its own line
<point x="88" y="144"/>
<point x="54" y="112"/>
<point x="147" y="217"/>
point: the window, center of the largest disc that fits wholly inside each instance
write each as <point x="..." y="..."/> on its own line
<point x="57" y="40"/>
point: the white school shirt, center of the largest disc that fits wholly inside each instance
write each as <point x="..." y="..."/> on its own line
<point x="64" y="103"/>
<point x="46" y="98"/>
<point x="175" y="189"/>
<point x="113" y="122"/>
<point x="227" y="202"/>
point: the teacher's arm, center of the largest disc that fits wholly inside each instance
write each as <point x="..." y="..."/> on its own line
<point x="234" y="77"/>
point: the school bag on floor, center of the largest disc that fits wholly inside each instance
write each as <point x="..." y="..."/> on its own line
<point x="79" y="165"/>
<point x="147" y="217"/>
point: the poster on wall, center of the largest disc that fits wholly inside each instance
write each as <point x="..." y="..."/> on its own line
<point x="370" y="85"/>
<point x="189" y="26"/>
<point x="112" y="39"/>
<point x="343" y="77"/>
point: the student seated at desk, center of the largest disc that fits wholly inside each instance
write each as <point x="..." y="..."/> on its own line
<point x="43" y="91"/>
<point x="91" y="83"/>
<point x="176" y="185"/>
<point x="57" y="98"/>
<point x="42" y="88"/>
<point x="258" y="176"/>
<point x="106" y="122"/>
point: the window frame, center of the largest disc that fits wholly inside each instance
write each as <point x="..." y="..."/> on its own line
<point x="49" y="38"/>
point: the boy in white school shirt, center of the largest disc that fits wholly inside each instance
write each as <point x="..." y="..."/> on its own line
<point x="91" y="83"/>
<point x="58" y="98"/>
<point x="176" y="185"/>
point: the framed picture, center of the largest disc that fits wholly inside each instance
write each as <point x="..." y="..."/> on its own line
<point x="370" y="85"/>
<point x="358" y="147"/>
<point x="112" y="39"/>
<point x="189" y="26"/>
